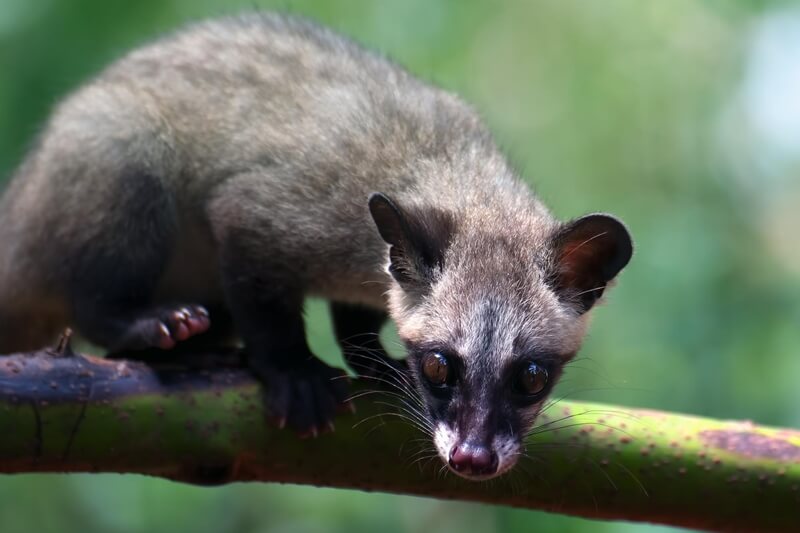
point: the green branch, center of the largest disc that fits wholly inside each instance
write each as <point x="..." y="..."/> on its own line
<point x="204" y="422"/>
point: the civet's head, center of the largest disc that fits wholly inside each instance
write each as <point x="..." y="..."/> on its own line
<point x="491" y="306"/>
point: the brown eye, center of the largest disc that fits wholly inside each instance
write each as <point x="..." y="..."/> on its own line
<point x="532" y="380"/>
<point x="435" y="368"/>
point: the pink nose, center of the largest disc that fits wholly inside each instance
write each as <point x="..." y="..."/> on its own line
<point x="473" y="460"/>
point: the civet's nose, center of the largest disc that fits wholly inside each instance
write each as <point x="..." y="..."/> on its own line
<point x="471" y="459"/>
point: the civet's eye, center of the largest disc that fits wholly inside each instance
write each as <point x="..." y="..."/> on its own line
<point x="436" y="369"/>
<point x="531" y="380"/>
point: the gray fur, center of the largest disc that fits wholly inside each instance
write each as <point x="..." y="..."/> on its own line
<point x="271" y="132"/>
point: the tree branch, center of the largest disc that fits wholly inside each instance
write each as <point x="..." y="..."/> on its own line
<point x="202" y="421"/>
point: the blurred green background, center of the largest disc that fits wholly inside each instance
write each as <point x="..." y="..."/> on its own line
<point x="681" y="117"/>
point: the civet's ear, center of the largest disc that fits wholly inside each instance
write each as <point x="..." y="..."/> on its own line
<point x="589" y="252"/>
<point x="417" y="240"/>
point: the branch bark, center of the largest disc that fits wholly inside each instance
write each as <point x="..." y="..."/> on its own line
<point x="202" y="421"/>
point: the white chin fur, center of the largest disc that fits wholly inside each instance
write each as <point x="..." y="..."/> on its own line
<point x="507" y="450"/>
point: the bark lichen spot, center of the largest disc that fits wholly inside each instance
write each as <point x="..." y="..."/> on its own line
<point x="752" y="444"/>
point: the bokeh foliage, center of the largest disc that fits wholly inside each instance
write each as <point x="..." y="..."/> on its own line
<point x="654" y="111"/>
